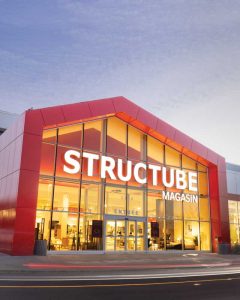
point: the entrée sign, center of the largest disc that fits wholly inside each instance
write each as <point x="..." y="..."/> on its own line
<point x="170" y="177"/>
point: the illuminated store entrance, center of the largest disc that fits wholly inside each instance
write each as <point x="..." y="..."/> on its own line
<point x="124" y="234"/>
<point x="106" y="186"/>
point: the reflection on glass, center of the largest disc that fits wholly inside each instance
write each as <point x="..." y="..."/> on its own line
<point x="49" y="136"/>
<point x="135" y="144"/>
<point x="70" y="135"/>
<point x="155" y="151"/>
<point x="203" y="183"/>
<point x="92" y="135"/>
<point x="116" y="137"/>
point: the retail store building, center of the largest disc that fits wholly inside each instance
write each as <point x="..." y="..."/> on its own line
<point x="107" y="175"/>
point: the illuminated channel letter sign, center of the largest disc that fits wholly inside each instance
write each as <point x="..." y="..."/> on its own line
<point x="170" y="177"/>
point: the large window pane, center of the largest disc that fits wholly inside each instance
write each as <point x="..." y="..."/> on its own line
<point x="47" y="159"/>
<point x="95" y="170"/>
<point x="92" y="136"/>
<point x="174" y="209"/>
<point x="233" y="211"/>
<point x="155" y="204"/>
<point x="155" y="234"/>
<point x="172" y="157"/>
<point x="234" y="233"/>
<point x="70" y="135"/>
<point x="66" y="196"/>
<point x="191" y="235"/>
<point x="188" y="163"/>
<point x="90" y="230"/>
<point x="42" y="225"/>
<point x="204" y="209"/>
<point x="90" y="198"/>
<point x="135" y="202"/>
<point x="174" y="229"/>
<point x="203" y="183"/>
<point x="190" y="210"/>
<point x="45" y="189"/>
<point x="49" y="136"/>
<point x="205" y="236"/>
<point x="116" y="137"/>
<point x="64" y="231"/>
<point x="115" y="200"/>
<point x="135" y="144"/>
<point x="155" y="151"/>
<point x="61" y="162"/>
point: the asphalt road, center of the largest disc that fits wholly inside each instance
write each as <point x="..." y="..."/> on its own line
<point x="225" y="287"/>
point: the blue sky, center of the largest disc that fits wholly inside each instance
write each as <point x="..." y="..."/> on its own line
<point x="178" y="59"/>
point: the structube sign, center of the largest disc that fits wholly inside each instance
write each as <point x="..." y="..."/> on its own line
<point x="170" y="177"/>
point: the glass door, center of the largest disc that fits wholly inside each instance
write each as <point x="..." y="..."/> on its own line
<point x="124" y="234"/>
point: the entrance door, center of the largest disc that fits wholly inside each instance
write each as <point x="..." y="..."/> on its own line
<point x="124" y="234"/>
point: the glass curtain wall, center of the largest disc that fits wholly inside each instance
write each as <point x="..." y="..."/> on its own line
<point x="81" y="212"/>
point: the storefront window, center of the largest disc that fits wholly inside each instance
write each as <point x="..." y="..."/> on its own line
<point x="49" y="136"/>
<point x="204" y="209"/>
<point x="45" y="189"/>
<point x="234" y="212"/>
<point x="92" y="136"/>
<point x="203" y="183"/>
<point x="42" y="226"/>
<point x="174" y="209"/>
<point x="156" y="234"/>
<point x="174" y="233"/>
<point x="136" y="147"/>
<point x="172" y="157"/>
<point x="188" y="163"/>
<point x="155" y="204"/>
<point x="79" y="211"/>
<point x="90" y="198"/>
<point x="135" y="202"/>
<point x="116" y="137"/>
<point x="205" y="236"/>
<point x="115" y="200"/>
<point x="66" y="196"/>
<point x="155" y="151"/>
<point x="90" y="232"/>
<point x="190" y="210"/>
<point x="70" y="136"/>
<point x="191" y="235"/>
<point x="64" y="231"/>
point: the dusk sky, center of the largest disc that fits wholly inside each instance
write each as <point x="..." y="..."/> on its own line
<point x="178" y="59"/>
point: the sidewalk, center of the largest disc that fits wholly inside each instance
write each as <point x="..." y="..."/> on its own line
<point x="123" y="261"/>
